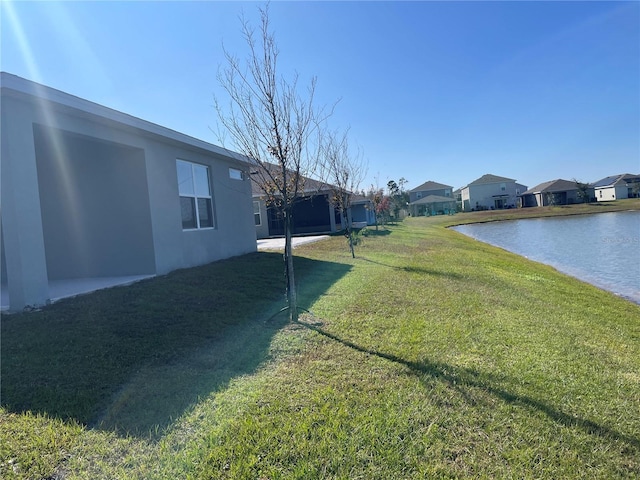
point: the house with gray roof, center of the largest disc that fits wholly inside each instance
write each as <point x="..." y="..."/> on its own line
<point x="490" y="192"/>
<point x="431" y="198"/>
<point x="553" y="192"/>
<point x="313" y="213"/>
<point x="617" y="187"/>
<point x="93" y="195"/>
<point x="429" y="188"/>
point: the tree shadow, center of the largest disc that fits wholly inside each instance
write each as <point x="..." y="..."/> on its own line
<point x="462" y="379"/>
<point x="369" y="231"/>
<point x="134" y="359"/>
<point x="418" y="270"/>
<point x="381" y="232"/>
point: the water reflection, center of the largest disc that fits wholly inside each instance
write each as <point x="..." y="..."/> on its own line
<point x="602" y="249"/>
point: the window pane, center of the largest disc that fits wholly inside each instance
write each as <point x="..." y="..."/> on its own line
<point x="202" y="181"/>
<point x="205" y="214"/>
<point x="187" y="205"/>
<point x="257" y="219"/>
<point x="185" y="178"/>
<point x="256" y="207"/>
<point x="235" y="174"/>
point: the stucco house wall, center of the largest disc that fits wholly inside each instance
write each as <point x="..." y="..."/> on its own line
<point x="91" y="192"/>
<point x="610" y="193"/>
<point x="478" y="196"/>
<point x="491" y="192"/>
<point x="572" y="197"/>
<point x="261" y="219"/>
<point x="554" y="192"/>
<point x="616" y="187"/>
<point x="362" y="213"/>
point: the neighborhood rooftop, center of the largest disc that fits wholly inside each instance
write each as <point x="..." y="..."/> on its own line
<point x="311" y="185"/>
<point x="552" y="186"/>
<point x="614" y="179"/>
<point x="489" y="178"/>
<point x="434" y="199"/>
<point x="430" y="185"/>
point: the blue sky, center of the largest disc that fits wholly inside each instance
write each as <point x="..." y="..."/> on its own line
<point x="442" y="91"/>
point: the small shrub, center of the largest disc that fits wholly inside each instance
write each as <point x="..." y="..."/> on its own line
<point x="363" y="232"/>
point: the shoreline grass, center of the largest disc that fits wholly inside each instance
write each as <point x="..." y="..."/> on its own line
<point x="549" y="211"/>
<point x="429" y="355"/>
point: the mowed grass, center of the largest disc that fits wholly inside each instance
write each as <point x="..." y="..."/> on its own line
<point x="430" y="355"/>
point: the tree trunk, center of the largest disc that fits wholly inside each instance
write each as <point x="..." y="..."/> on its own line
<point x="345" y="214"/>
<point x="350" y="235"/>
<point x="292" y="296"/>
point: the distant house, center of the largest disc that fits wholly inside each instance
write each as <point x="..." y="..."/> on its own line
<point x="433" y="205"/>
<point x="554" y="192"/>
<point x="314" y="213"/>
<point x="490" y="192"/>
<point x="457" y="194"/>
<point x="418" y="205"/>
<point x="617" y="187"/>
<point x="92" y="193"/>
<point x="362" y="212"/>
<point x="429" y="188"/>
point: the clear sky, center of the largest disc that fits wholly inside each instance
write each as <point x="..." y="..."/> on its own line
<point x="442" y="91"/>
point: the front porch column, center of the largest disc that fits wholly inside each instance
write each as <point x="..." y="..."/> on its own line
<point x="22" y="233"/>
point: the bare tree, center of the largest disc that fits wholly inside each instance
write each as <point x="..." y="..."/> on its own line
<point x="344" y="172"/>
<point x="278" y="129"/>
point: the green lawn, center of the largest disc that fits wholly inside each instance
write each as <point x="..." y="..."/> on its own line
<point x="430" y="355"/>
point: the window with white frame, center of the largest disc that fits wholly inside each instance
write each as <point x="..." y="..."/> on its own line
<point x="256" y="214"/>
<point x="235" y="174"/>
<point x="195" y="195"/>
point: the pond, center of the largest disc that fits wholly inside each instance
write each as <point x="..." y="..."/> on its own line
<point x="602" y="249"/>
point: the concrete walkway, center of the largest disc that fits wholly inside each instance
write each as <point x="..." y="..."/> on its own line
<point x="59" y="289"/>
<point x="278" y="243"/>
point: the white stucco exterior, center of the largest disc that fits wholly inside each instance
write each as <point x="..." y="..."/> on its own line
<point x="611" y="193"/>
<point x="491" y="192"/>
<point x="617" y="187"/>
<point x="91" y="192"/>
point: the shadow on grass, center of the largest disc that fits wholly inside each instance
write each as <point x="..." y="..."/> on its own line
<point x="369" y="231"/>
<point x="381" y="232"/>
<point x="463" y="378"/>
<point x="133" y="359"/>
<point x="418" y="270"/>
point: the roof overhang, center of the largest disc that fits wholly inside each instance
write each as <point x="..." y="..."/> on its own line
<point x="21" y="88"/>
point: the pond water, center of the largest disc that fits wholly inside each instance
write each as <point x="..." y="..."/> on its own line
<point x="602" y="249"/>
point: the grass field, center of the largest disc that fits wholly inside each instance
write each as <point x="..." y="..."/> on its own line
<point x="430" y="355"/>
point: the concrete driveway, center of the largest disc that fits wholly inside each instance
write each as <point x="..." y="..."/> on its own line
<point x="278" y="243"/>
